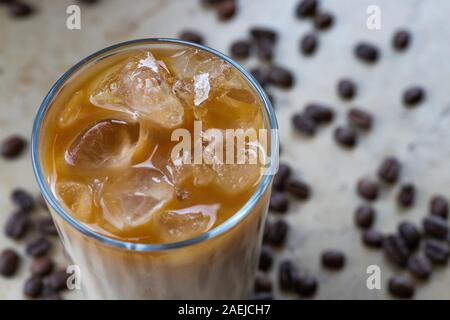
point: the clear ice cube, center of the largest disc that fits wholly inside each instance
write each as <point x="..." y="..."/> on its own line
<point x="78" y="198"/>
<point x="72" y="110"/>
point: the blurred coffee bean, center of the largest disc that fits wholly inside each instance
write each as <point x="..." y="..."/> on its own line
<point x="367" y="189"/>
<point x="191" y="36"/>
<point x="265" y="49"/>
<point x="413" y="96"/>
<point x="17" y="225"/>
<point x="346" y="89"/>
<point x="46" y="226"/>
<point x="33" y="287"/>
<point x="281" y="77"/>
<point x="278" y="202"/>
<point x="306" y="8"/>
<point x="12" y="147"/>
<point x="281" y="177"/>
<point x="304" y="124"/>
<point x="265" y="258"/>
<point x="277" y="233"/>
<point x="261" y="75"/>
<point x="410" y="234"/>
<point x="323" y="20"/>
<point x="438" y="252"/>
<point x="288" y="275"/>
<point x="364" y="216"/>
<point x="57" y="281"/>
<point x="333" y="259"/>
<point x="226" y="9"/>
<point x="396" y="250"/>
<point x="389" y="170"/>
<point x="262" y="283"/>
<point x="19" y="9"/>
<point x="345" y="137"/>
<point x="298" y="189"/>
<point x="262" y="296"/>
<point x="240" y="49"/>
<point x="319" y="113"/>
<point x="42" y="267"/>
<point x="308" y="44"/>
<point x="260" y="33"/>
<point x="23" y="200"/>
<point x="9" y="262"/>
<point x="366" y="52"/>
<point x="359" y="118"/>
<point x="439" y="206"/>
<point x="420" y="266"/>
<point x="373" y="238"/>
<point x="306" y="285"/>
<point x="435" y="226"/>
<point x="401" y="40"/>
<point x="401" y="287"/>
<point x="406" y="195"/>
<point x="38" y="247"/>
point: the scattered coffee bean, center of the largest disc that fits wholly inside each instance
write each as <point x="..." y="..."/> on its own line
<point x="288" y="275"/>
<point x="306" y="285"/>
<point x="12" y="147"/>
<point x="240" y="49"/>
<point x="389" y="170"/>
<point x="38" y="247"/>
<point x="265" y="49"/>
<point x="298" y="189"/>
<point x="33" y="287"/>
<point x="261" y="75"/>
<point x="306" y="8"/>
<point x="265" y="258"/>
<point x="17" y="225"/>
<point x="401" y="40"/>
<point x="410" y="234"/>
<point x="9" y="261"/>
<point x="278" y="202"/>
<point x="438" y="252"/>
<point x="41" y="267"/>
<point x="304" y="124"/>
<point x="20" y="9"/>
<point x="323" y="20"/>
<point x="396" y="250"/>
<point x="372" y="238"/>
<point x="191" y="36"/>
<point x="46" y="226"/>
<point x="401" y="287"/>
<point x="210" y="3"/>
<point x="439" y="206"/>
<point x="364" y="216"/>
<point x="413" y="96"/>
<point x="345" y="137"/>
<point x="281" y="177"/>
<point x="366" y="52"/>
<point x="319" y="113"/>
<point x="259" y="34"/>
<point x="23" y="200"/>
<point x="308" y="44"/>
<point x="359" y="118"/>
<point x="367" y="189"/>
<point x="346" y="89"/>
<point x="281" y="77"/>
<point x="420" y="266"/>
<point x="41" y="201"/>
<point x="333" y="259"/>
<point x="435" y="226"/>
<point x="226" y="9"/>
<point x="57" y="281"/>
<point x="278" y="233"/>
<point x="406" y="195"/>
<point x="262" y="283"/>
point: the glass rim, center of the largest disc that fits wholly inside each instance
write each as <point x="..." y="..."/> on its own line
<point x="216" y="231"/>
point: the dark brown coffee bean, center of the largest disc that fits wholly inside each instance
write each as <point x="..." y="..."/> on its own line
<point x="281" y="177"/>
<point x="304" y="124"/>
<point x="345" y="137"/>
<point x="41" y="202"/>
<point x="401" y="40"/>
<point x="319" y="113"/>
<point x="12" y="147"/>
<point x="57" y="281"/>
<point x="281" y="77"/>
<point x="278" y="233"/>
<point x="323" y="20"/>
<point x="33" y="287"/>
<point x="308" y="44"/>
<point x="210" y="3"/>
<point x="240" y="49"/>
<point x="23" y="200"/>
<point x="288" y="275"/>
<point x="420" y="266"/>
<point x="20" y="9"/>
<point x="364" y="216"/>
<point x="396" y="250"/>
<point x="191" y="36"/>
<point x="306" y="285"/>
<point x="438" y="252"/>
<point x="261" y="75"/>
<point x="333" y="259"/>
<point x="406" y="195"/>
<point x="389" y="170"/>
<point x="17" y="225"/>
<point x="359" y="118"/>
<point x="262" y="283"/>
<point x="9" y="261"/>
<point x="265" y="49"/>
<point x="226" y="10"/>
<point x="413" y="96"/>
<point x="265" y="258"/>
<point x="41" y="267"/>
<point x="278" y="202"/>
<point x="346" y="89"/>
<point x="46" y="226"/>
<point x="366" y="52"/>
<point x="410" y="234"/>
<point x="435" y="227"/>
<point x="38" y="247"/>
<point x="259" y="34"/>
<point x="439" y="206"/>
<point x="306" y="8"/>
<point x="367" y="189"/>
<point x="298" y="189"/>
<point x="372" y="238"/>
<point x="401" y="287"/>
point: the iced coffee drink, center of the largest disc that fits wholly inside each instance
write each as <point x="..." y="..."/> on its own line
<point x="155" y="158"/>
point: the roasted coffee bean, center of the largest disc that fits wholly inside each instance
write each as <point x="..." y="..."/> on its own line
<point x="298" y="189"/>
<point x="262" y="283"/>
<point x="265" y="258"/>
<point x="281" y="177"/>
<point x="281" y="77"/>
<point x="41" y="267"/>
<point x="261" y="75"/>
<point x="288" y="275"/>
<point x="9" y="261"/>
<point x="57" y="281"/>
<point x="210" y="3"/>
<point x="389" y="170"/>
<point x="413" y="96"/>
<point x="401" y="40"/>
<point x="438" y="252"/>
<point x="396" y="250"/>
<point x="259" y="34"/>
<point x="359" y="118"/>
<point x="346" y="89"/>
<point x="367" y="189"/>
<point x="319" y="113"/>
<point x="12" y="147"/>
<point x="366" y="52"/>
<point x="38" y="247"/>
<point x="439" y="206"/>
<point x="345" y="137"/>
<point x="191" y="36"/>
<point x="19" y="9"/>
<point x="226" y="9"/>
<point x="240" y="49"/>
<point x="23" y="200"/>
<point x="306" y="8"/>
<point x="372" y="238"/>
<point x="306" y="285"/>
<point x="17" y="225"/>
<point x="364" y="216"/>
<point x="304" y="124"/>
<point x="46" y="226"/>
<point x="41" y="202"/>
<point x="401" y="287"/>
<point x="265" y="49"/>
<point x="278" y="233"/>
<point x="406" y="195"/>
<point x="33" y="287"/>
<point x="410" y="234"/>
<point x="308" y="44"/>
<point x="435" y="227"/>
<point x="279" y="202"/>
<point x="323" y="20"/>
<point x="333" y="259"/>
<point x="420" y="266"/>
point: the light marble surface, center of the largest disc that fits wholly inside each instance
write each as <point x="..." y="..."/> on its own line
<point x="36" y="51"/>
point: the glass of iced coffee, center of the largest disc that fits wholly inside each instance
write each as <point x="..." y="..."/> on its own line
<point x="155" y="158"/>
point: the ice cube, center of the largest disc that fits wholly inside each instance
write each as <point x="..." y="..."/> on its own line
<point x="72" y="110"/>
<point x="141" y="88"/>
<point x="108" y="143"/>
<point x="131" y="199"/>
<point x="78" y="198"/>
<point x="183" y="224"/>
<point x="236" y="178"/>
